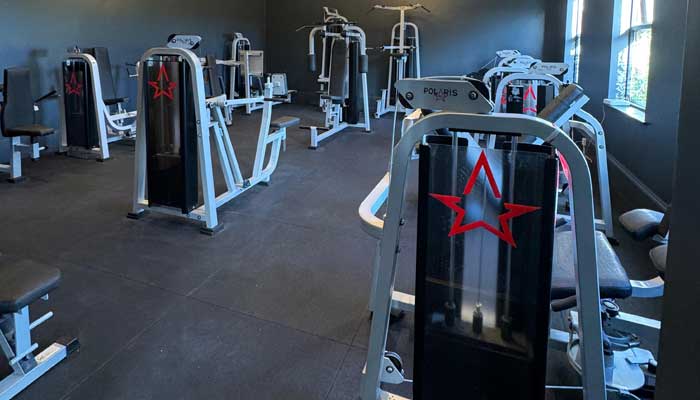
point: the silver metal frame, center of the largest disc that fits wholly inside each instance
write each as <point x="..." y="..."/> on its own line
<point x="587" y="292"/>
<point x="591" y="128"/>
<point x="110" y="127"/>
<point x="210" y="119"/>
<point x="333" y="122"/>
<point x="398" y="31"/>
<point x="242" y="66"/>
<point x="24" y="374"/>
<point x="14" y="166"/>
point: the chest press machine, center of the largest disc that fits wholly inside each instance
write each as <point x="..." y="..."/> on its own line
<point x="176" y="125"/>
<point x="92" y="115"/>
<point x="404" y="56"/>
<point x="18" y="120"/>
<point x="468" y="331"/>
<point x="343" y="76"/>
<point x="247" y="76"/>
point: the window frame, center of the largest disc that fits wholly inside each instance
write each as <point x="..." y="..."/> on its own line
<point x="572" y="42"/>
<point x="620" y="41"/>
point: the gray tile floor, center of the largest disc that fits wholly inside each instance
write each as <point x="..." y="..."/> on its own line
<point x="274" y="307"/>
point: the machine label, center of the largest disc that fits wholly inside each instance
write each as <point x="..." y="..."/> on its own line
<point x="512" y="210"/>
<point x="187" y="42"/>
<point x="440" y="94"/>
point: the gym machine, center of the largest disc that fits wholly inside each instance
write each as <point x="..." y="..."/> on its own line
<point x="92" y="115"/>
<point x="331" y="16"/>
<point x="343" y="76"/>
<point x="18" y="119"/>
<point x="176" y="123"/>
<point x="529" y="93"/>
<point x="22" y="283"/>
<point x="483" y="329"/>
<point x="404" y="56"/>
<point x="247" y="76"/>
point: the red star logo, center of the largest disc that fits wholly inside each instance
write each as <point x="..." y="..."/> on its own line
<point x="163" y="77"/>
<point x="513" y="210"/>
<point x="73" y="86"/>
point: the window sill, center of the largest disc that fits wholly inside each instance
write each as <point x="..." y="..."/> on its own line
<point x="626" y="108"/>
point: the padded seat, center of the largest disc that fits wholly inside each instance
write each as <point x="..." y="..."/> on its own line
<point x="24" y="282"/>
<point x="334" y="99"/>
<point x="115" y="101"/>
<point x="613" y="279"/>
<point x="29" y="130"/>
<point x="658" y="258"/>
<point x="641" y="223"/>
<point x="285" y="122"/>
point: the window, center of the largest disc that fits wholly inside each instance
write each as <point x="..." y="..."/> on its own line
<point x="631" y="51"/>
<point x="572" y="57"/>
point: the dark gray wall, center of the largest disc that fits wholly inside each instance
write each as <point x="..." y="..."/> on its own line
<point x="459" y="36"/>
<point x="679" y="351"/>
<point x="647" y="150"/>
<point x="36" y="33"/>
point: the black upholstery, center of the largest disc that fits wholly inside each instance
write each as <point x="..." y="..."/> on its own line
<point x="115" y="101"/>
<point x="24" y="282"/>
<point x="33" y="130"/>
<point x="339" y="70"/>
<point x="614" y="282"/>
<point x="211" y="77"/>
<point x="18" y="105"/>
<point x="562" y="103"/>
<point x="104" y="66"/>
<point x="284" y="122"/>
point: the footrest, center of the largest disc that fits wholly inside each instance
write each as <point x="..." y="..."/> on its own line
<point x="24" y="282"/>
<point x="641" y="223"/>
<point x="658" y="258"/>
<point x="285" y="122"/>
<point x="614" y="282"/>
<point x="318" y="128"/>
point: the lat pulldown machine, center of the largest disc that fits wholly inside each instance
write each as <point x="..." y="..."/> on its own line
<point x="343" y="76"/>
<point x="92" y="115"/>
<point x="175" y="126"/>
<point x="404" y="56"/>
<point x="247" y="76"/>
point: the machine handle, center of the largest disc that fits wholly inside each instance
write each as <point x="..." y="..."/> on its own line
<point x="563" y="304"/>
<point x="312" y="62"/>
<point x="51" y="94"/>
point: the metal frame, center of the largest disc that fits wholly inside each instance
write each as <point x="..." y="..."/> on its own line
<point x="333" y="122"/>
<point x="211" y="123"/>
<point x="242" y="66"/>
<point x="14" y="166"/>
<point x="110" y="127"/>
<point x="398" y="32"/>
<point x="26" y="367"/>
<point x="587" y="293"/>
<point x="592" y="129"/>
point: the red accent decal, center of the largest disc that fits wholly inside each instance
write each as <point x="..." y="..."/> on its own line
<point x="513" y="210"/>
<point x="162" y="78"/>
<point x="73" y="86"/>
<point x="530" y="92"/>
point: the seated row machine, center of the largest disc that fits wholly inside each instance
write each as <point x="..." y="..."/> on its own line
<point x="18" y="120"/>
<point x="345" y="86"/>
<point x="92" y="115"/>
<point x="176" y="123"/>
<point x="482" y="291"/>
<point x="23" y="283"/>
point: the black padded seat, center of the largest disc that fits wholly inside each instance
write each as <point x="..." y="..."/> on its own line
<point x="24" y="282"/>
<point x="334" y="99"/>
<point x="29" y="130"/>
<point x="285" y="122"/>
<point x="641" y="223"/>
<point x="613" y="279"/>
<point x="115" y="101"/>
